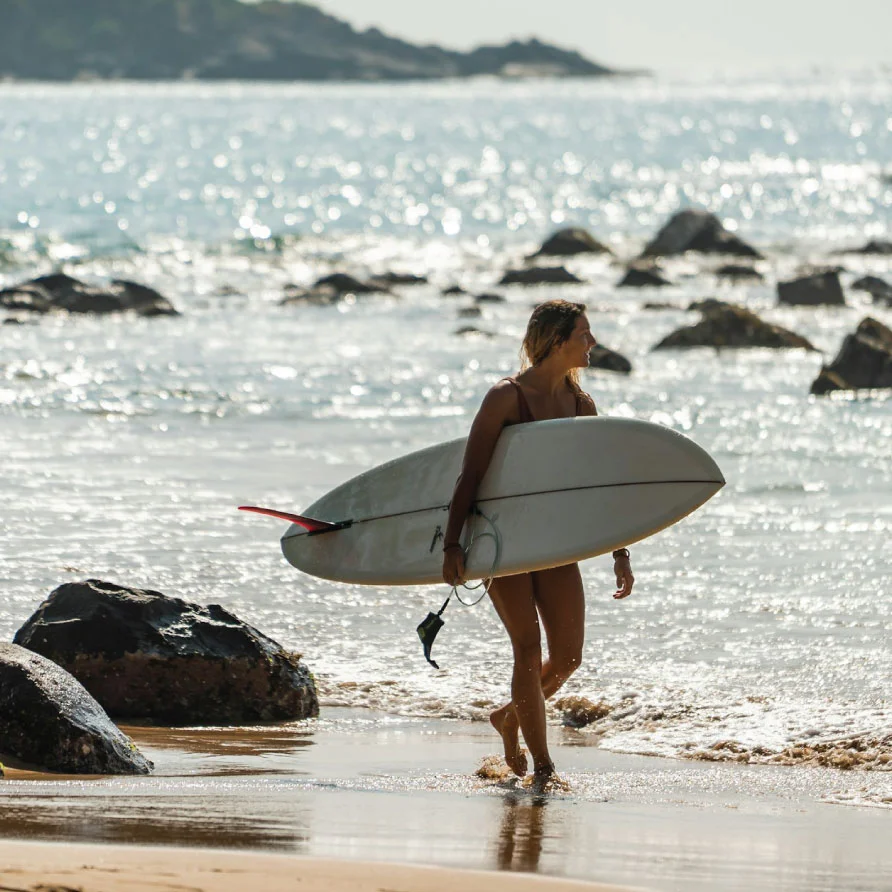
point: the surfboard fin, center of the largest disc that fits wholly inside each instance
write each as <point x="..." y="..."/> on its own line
<point x="427" y="631"/>
<point x="308" y="523"/>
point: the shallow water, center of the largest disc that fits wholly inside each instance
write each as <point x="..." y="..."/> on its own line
<point x="764" y="619"/>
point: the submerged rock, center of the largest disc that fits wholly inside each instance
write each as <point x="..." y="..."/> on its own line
<point x="319" y="295"/>
<point x="569" y="242"/>
<point x="344" y="284"/>
<point x="727" y="325"/>
<point x="59" y="291"/>
<point x="864" y="361"/>
<point x="877" y="288"/>
<point x="453" y="289"/>
<point x="388" y="279"/>
<point x="47" y="718"/>
<point x="696" y="230"/>
<point x="642" y="277"/>
<point x="818" y="289"/>
<point x="144" y="655"/>
<point x="876" y="246"/>
<point x="540" y="275"/>
<point x="489" y="299"/>
<point x="738" y="271"/>
<point x="600" y="357"/>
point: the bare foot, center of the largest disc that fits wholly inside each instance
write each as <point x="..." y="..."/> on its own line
<point x="504" y="720"/>
<point x="545" y="780"/>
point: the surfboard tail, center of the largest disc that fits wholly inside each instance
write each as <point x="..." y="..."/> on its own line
<point x="311" y="524"/>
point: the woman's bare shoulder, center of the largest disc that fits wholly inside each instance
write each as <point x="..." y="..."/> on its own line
<point x="586" y="404"/>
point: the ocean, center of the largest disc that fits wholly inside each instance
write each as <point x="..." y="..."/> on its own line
<point x="759" y="628"/>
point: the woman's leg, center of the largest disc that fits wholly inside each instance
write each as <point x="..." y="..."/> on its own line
<point x="515" y="602"/>
<point x="560" y="602"/>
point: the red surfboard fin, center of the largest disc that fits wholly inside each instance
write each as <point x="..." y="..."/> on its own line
<point x="308" y="523"/>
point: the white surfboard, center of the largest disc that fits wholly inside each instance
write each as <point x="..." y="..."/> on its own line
<point x="556" y="492"/>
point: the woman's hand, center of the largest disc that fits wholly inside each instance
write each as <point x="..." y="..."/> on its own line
<point x="622" y="567"/>
<point x="453" y="565"/>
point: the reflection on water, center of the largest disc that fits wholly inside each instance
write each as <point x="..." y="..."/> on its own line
<point x="521" y="833"/>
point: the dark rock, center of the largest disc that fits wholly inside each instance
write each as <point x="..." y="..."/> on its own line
<point x="144" y="655"/>
<point x="642" y="277"/>
<point x="344" y="284"/>
<point x="469" y="330"/>
<point x="726" y="325"/>
<point x="47" y="718"/>
<point x="540" y="275"/>
<point x="454" y="289"/>
<point x="738" y="271"/>
<point x="697" y="230"/>
<point x="659" y="305"/>
<point x="387" y="279"/>
<point x="489" y="299"/>
<point x="873" y="247"/>
<point x="820" y="289"/>
<point x="59" y="291"/>
<point x="600" y="357"/>
<point x="568" y="242"/>
<point x="320" y="295"/>
<point x="864" y="361"/>
<point x="470" y="312"/>
<point x="705" y="304"/>
<point x="877" y="288"/>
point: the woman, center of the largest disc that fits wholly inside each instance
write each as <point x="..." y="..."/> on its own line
<point x="556" y="346"/>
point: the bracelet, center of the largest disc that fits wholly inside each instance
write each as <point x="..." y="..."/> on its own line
<point x="452" y="545"/>
<point x="621" y="552"/>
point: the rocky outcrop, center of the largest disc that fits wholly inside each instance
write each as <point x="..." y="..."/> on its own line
<point x="877" y="288"/>
<point x="488" y="298"/>
<point x="864" y="361"/>
<point x="600" y="357"/>
<point x="697" y="230"/>
<point x="61" y="292"/>
<point x="227" y="39"/>
<point x="818" y="289"/>
<point x="875" y="246"/>
<point x="738" y="271"/>
<point x="452" y="290"/>
<point x="344" y="284"/>
<point x="642" y="276"/>
<point x="48" y="719"/>
<point x="388" y="279"/>
<point x="569" y="242"/>
<point x="727" y="325"/>
<point x="144" y="655"/>
<point x="540" y="275"/>
<point x="318" y="295"/>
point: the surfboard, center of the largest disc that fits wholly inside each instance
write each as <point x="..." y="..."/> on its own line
<point x="555" y="492"/>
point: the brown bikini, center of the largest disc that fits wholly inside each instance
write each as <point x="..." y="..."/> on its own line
<point x="526" y="414"/>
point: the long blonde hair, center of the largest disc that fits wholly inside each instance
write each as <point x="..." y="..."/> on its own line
<point x="550" y="326"/>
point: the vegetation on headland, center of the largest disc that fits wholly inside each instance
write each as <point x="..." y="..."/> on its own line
<point x="229" y="39"/>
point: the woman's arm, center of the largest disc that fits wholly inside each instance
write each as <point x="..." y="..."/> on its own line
<point x="499" y="406"/>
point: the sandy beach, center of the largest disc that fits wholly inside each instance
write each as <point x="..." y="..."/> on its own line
<point x="359" y="786"/>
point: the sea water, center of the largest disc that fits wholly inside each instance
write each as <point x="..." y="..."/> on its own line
<point x="761" y="622"/>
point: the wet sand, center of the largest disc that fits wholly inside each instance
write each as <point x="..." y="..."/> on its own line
<point x="359" y="786"/>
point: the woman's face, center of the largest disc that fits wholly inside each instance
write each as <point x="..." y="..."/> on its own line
<point x="577" y="346"/>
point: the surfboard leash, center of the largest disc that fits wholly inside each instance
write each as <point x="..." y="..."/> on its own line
<point x="432" y="623"/>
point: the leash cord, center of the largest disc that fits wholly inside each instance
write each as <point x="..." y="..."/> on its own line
<point x="487" y="580"/>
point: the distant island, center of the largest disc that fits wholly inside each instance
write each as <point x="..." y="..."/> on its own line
<point x="63" y="40"/>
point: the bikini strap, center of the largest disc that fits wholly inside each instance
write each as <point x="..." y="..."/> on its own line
<point x="523" y="406"/>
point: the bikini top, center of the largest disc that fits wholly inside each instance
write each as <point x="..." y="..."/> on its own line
<point x="526" y="414"/>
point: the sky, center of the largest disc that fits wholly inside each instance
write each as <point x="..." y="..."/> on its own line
<point x="686" y="36"/>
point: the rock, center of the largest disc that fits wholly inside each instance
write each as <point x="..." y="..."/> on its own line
<point x="47" y="718"/>
<point x="568" y="242"/>
<point x="738" y="271"/>
<point x="873" y="247"/>
<point x="696" y="230"/>
<point x="320" y="295"/>
<point x="600" y="357"/>
<point x="642" y="277"/>
<point x="726" y="325"/>
<point x="818" y="289"/>
<point x="470" y="312"/>
<point x="454" y="289"/>
<point x="877" y="288"/>
<point x="489" y="299"/>
<point x="659" y="305"/>
<point x="388" y="279"/>
<point x="344" y="284"/>
<point x="144" y="655"/>
<point x="59" y="291"/>
<point x="864" y="361"/>
<point x="540" y="275"/>
<point x="467" y="330"/>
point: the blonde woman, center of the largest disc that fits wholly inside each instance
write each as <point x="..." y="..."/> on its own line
<point x="555" y="347"/>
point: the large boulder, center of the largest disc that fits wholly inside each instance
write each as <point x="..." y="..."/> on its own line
<point x="47" y="718"/>
<point x="877" y="288"/>
<point x="727" y="325"/>
<point x="864" y="361"/>
<point x="817" y="289"/>
<point x="144" y="655"/>
<point x="341" y="283"/>
<point x="600" y="357"/>
<point x="696" y="230"/>
<point x="540" y="275"/>
<point x="568" y="242"/>
<point x="59" y="291"/>
<point x="642" y="276"/>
